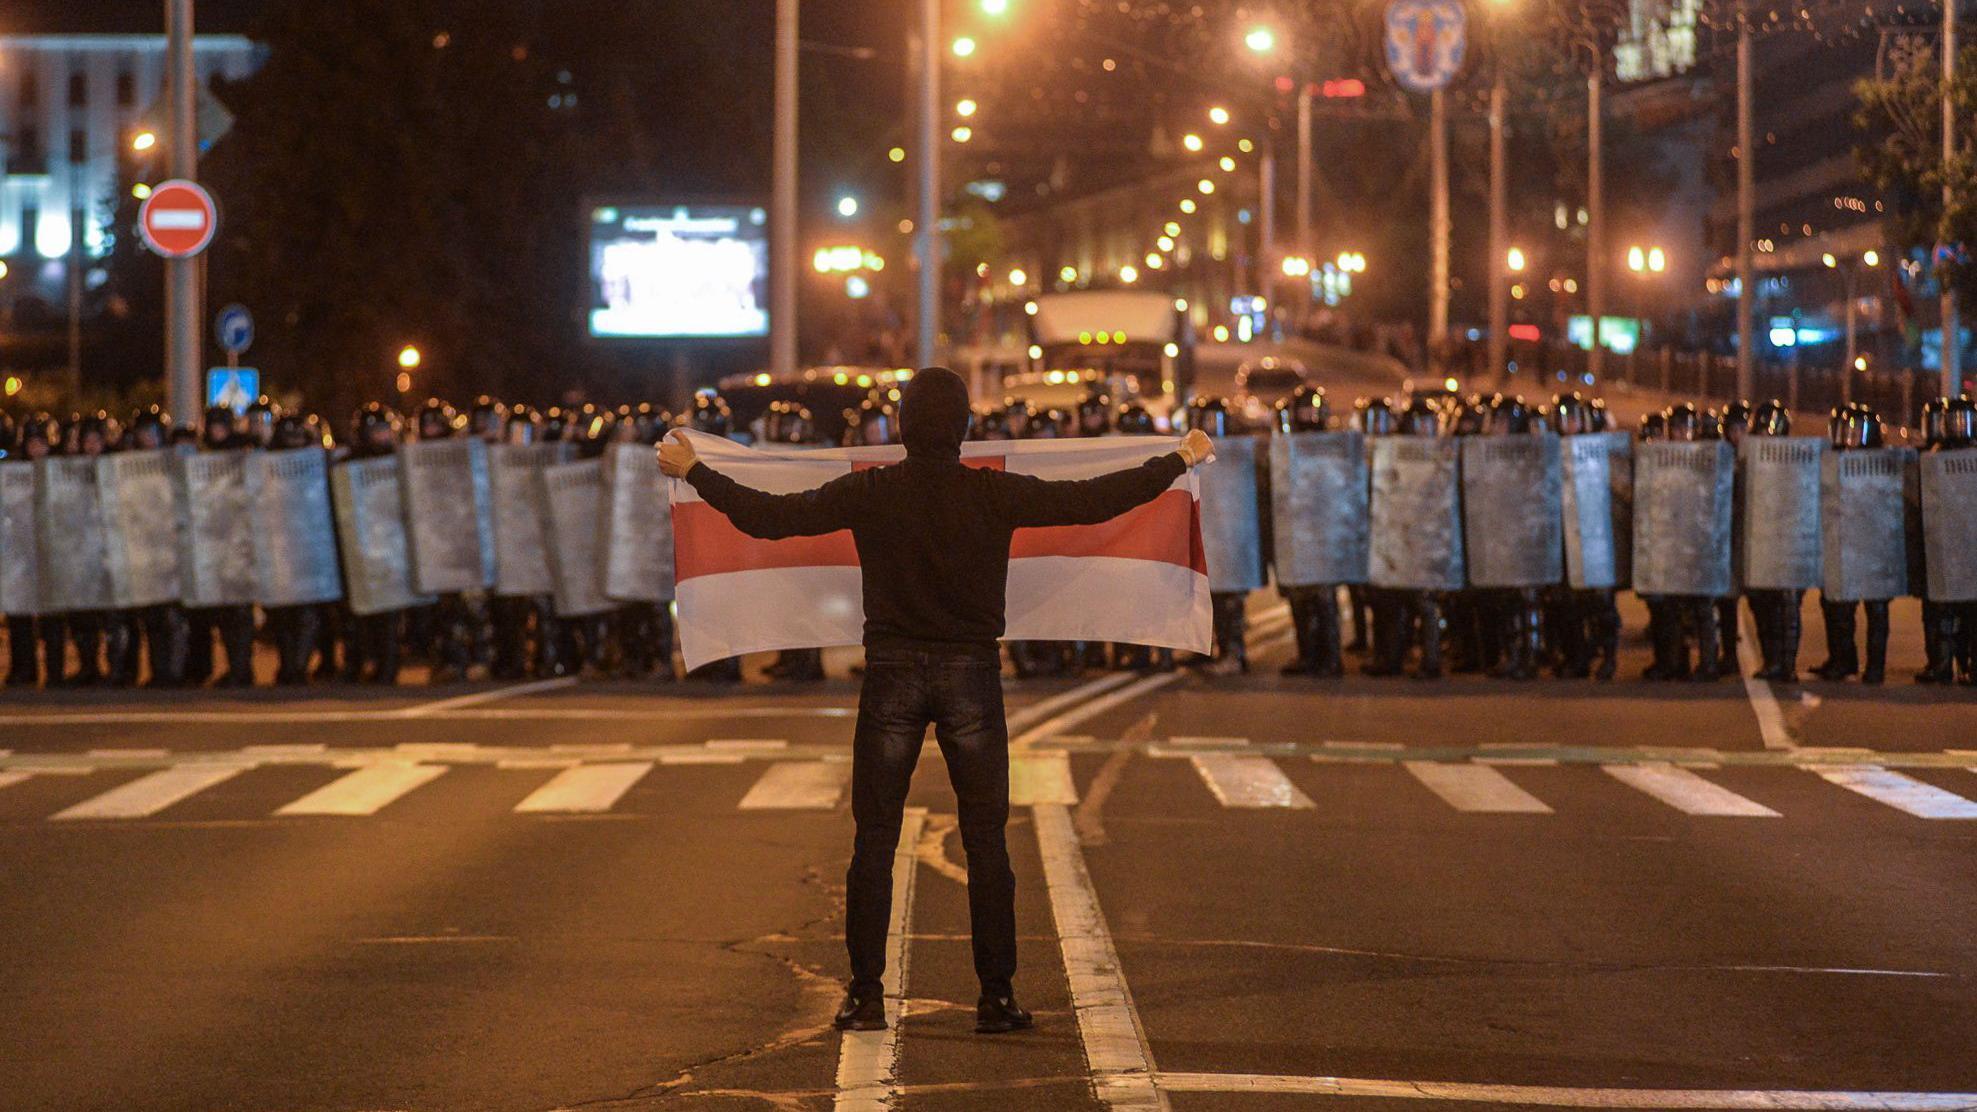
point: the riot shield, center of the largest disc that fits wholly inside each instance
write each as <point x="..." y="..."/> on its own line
<point x="521" y="555"/>
<point x="1231" y="533"/>
<point x="448" y="523"/>
<point x="572" y="495"/>
<point x="140" y="526"/>
<point x="1863" y="524"/>
<point x="1586" y="505"/>
<point x="1682" y="492"/>
<point x="295" y="532"/>
<point x="1620" y="479"/>
<point x="1949" y="524"/>
<point x="68" y="514"/>
<point x="1779" y="528"/>
<point x="1417" y="513"/>
<point x="20" y="549"/>
<point x="1318" y="508"/>
<point x="1511" y="510"/>
<point x="635" y="542"/>
<point x="216" y="529"/>
<point x="370" y="533"/>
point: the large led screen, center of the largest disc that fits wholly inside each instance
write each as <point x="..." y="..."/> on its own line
<point x="679" y="271"/>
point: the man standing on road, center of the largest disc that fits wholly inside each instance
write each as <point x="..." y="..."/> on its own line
<point x="933" y="547"/>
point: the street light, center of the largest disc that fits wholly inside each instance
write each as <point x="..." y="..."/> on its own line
<point x="1657" y="261"/>
<point x="1018" y="278"/>
<point x="1514" y="260"/>
<point x="1205" y="186"/>
<point x="847" y="206"/>
<point x="144" y="140"/>
<point x="1260" y="40"/>
<point x="1228" y="164"/>
<point x="964" y="47"/>
<point x="1871" y="258"/>
<point x="965" y="107"/>
<point x="1191" y="141"/>
<point x="1187" y="205"/>
<point x="409" y="357"/>
<point x="1129" y="274"/>
<point x="1218" y="115"/>
<point x="962" y="134"/>
<point x="995" y="7"/>
<point x="1637" y="259"/>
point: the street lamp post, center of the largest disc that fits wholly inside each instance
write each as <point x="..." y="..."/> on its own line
<point x="782" y="215"/>
<point x="1499" y="235"/>
<point x="926" y="221"/>
<point x="1952" y="325"/>
<point x="1746" y="211"/>
<point x="1595" y="220"/>
<point x="182" y="336"/>
<point x="1438" y="221"/>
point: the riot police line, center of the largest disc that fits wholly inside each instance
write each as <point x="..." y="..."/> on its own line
<point x="1482" y="535"/>
<point x="1488" y="535"/>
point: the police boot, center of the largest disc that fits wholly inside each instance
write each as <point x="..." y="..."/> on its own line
<point x="1530" y="647"/>
<point x="1877" y="641"/>
<point x="330" y="620"/>
<point x="199" y="646"/>
<point x="1709" y="648"/>
<point x="1728" y="633"/>
<point x="808" y="667"/>
<point x="1661" y="667"/>
<point x="1231" y="655"/>
<point x="304" y="639"/>
<point x="1788" y="622"/>
<point x="237" y="637"/>
<point x="1963" y="622"/>
<point x="1329" y="656"/>
<point x="86" y="633"/>
<point x="1362" y="618"/>
<point x="53" y="630"/>
<point x="165" y="645"/>
<point x="1430" y="614"/>
<point x="23" y="669"/>
<point x="123" y="648"/>
<point x="1606" y="631"/>
<point x="385" y="649"/>
<point x="1388" y="624"/>
<point x="1842" y="658"/>
<point x="1301" y="664"/>
<point x="1938" y="644"/>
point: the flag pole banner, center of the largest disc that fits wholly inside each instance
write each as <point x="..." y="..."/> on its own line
<point x="1140" y="578"/>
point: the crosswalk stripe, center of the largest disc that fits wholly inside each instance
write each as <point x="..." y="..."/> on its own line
<point x="798" y="785"/>
<point x="1041" y="778"/>
<point x="148" y="795"/>
<point x="1904" y="793"/>
<point x="1476" y="788"/>
<point x="363" y="791"/>
<point x="1685" y="791"/>
<point x="585" y="788"/>
<point x="9" y="779"/>
<point x="1239" y="781"/>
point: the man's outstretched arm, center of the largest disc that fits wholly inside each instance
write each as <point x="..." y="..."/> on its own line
<point x="1032" y="502"/>
<point x="769" y="517"/>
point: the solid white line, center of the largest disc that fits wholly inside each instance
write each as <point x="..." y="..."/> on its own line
<point x="1062" y="723"/>
<point x="1108" y="1024"/>
<point x="364" y="791"/>
<point x="1040" y="778"/>
<point x="1023" y="718"/>
<point x="489" y="714"/>
<point x="1475" y="788"/>
<point x="687" y="756"/>
<point x="746" y="744"/>
<point x="147" y="795"/>
<point x="1554" y="1096"/>
<point x="1763" y="702"/>
<point x="9" y="779"/>
<point x="798" y="785"/>
<point x="585" y="788"/>
<point x="868" y="1061"/>
<point x="1248" y="781"/>
<point x="479" y="697"/>
<point x="1904" y="793"/>
<point x="1685" y="791"/>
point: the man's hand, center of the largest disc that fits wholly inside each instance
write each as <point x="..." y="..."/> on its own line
<point x="676" y="456"/>
<point x="1195" y="447"/>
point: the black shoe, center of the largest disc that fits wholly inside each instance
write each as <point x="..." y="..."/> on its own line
<point x="861" y="1013"/>
<point x="998" y="1015"/>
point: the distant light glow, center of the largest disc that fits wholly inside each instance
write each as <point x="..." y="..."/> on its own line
<point x="762" y="379"/>
<point x="409" y="357"/>
<point x="847" y="206"/>
<point x="1221" y="333"/>
<point x="1170" y="349"/>
<point x="1228" y="164"/>
<point x="1129" y="274"/>
<point x="1218" y="115"/>
<point x="1515" y="260"/>
<point x="1260" y="40"/>
<point x="1019" y="277"/>
<point x="897" y="154"/>
<point x="964" y="47"/>
<point x="140" y="191"/>
<point x="1205" y="186"/>
<point x="962" y="134"/>
<point x="1187" y="205"/>
<point x="1036" y="352"/>
<point x="1030" y="308"/>
<point x="1191" y="141"/>
<point x="1067" y="274"/>
<point x="856" y="287"/>
<point x="995" y="7"/>
<point x="966" y="106"/>
<point x="144" y="140"/>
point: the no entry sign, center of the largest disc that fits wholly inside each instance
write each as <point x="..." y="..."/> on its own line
<point x="178" y="219"/>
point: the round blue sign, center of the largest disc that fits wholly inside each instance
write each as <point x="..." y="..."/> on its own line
<point x="234" y="329"/>
<point x="1425" y="42"/>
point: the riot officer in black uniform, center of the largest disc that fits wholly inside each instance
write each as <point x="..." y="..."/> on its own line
<point x="1314" y="608"/>
<point x="1774" y="612"/>
<point x="1517" y="612"/>
<point x="1732" y="424"/>
<point x="28" y="442"/>
<point x="509" y="615"/>
<point x="1094" y="413"/>
<point x="1854" y="427"/>
<point x="1475" y="618"/>
<point x="1404" y="619"/>
<point x="1687" y="618"/>
<point x="487" y="420"/>
<point x="1373" y="417"/>
<point x="710" y="415"/>
<point x="456" y="618"/>
<point x="1947" y="425"/>
<point x="296" y="630"/>
<point x="992" y="423"/>
<point x="256" y="427"/>
<point x="1582" y="622"/>
<point x="371" y="653"/>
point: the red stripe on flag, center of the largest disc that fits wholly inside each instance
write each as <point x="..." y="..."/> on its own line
<point x="1167" y="530"/>
<point x="705" y="542"/>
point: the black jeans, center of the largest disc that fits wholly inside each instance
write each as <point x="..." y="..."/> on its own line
<point x="961" y="697"/>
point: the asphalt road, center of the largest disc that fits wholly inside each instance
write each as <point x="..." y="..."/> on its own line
<point x="1246" y="892"/>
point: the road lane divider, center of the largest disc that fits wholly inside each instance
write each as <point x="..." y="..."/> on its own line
<point x="1560" y="1096"/>
<point x="1065" y="721"/>
<point x="868" y="1061"/>
<point x="473" y="699"/>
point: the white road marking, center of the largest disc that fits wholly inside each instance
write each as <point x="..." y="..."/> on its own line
<point x="1062" y="723"/>
<point x="1904" y="793"/>
<point x="286" y="749"/>
<point x="1476" y="788"/>
<point x="1685" y="791"/>
<point x="1555" y="1096"/>
<point x="798" y="785"/>
<point x="868" y="1061"/>
<point x="9" y="779"/>
<point x="364" y="791"/>
<point x="1248" y="782"/>
<point x="1763" y="702"/>
<point x="1041" y="778"/>
<point x="747" y="744"/>
<point x="129" y="753"/>
<point x="147" y="795"/>
<point x="458" y="702"/>
<point x="1022" y="718"/>
<point x="1115" y="1044"/>
<point x="585" y="788"/>
<point x="687" y="756"/>
<point x="471" y="714"/>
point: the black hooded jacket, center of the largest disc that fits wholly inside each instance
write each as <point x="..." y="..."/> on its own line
<point x="932" y="534"/>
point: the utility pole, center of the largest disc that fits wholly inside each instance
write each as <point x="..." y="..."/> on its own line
<point x="1746" y="212"/>
<point x="182" y="309"/>
<point x="1266" y="224"/>
<point x="1438" y="222"/>
<point x="1595" y="220"/>
<point x="1952" y="324"/>
<point x="1499" y="236"/>
<point x="1304" y="170"/>
<point x="1853" y="345"/>
<point x="782" y="201"/>
<point x="926" y="223"/>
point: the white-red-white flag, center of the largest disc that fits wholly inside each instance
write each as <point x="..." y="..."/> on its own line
<point x="1140" y="578"/>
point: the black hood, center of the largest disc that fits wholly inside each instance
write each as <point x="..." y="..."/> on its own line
<point x="933" y="414"/>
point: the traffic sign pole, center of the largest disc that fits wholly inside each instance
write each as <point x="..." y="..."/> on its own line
<point x="182" y="300"/>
